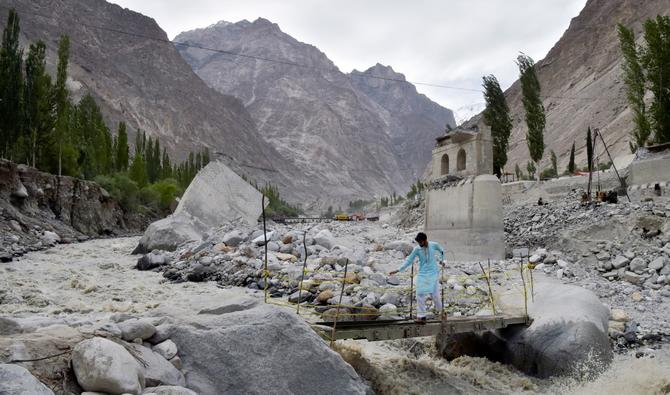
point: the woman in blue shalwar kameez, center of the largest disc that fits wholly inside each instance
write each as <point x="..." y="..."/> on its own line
<point x="427" y="281"/>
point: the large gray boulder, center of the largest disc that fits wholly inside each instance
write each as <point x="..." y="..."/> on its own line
<point x="156" y="369"/>
<point x="260" y="350"/>
<point x="568" y="332"/>
<point x="17" y="380"/>
<point x="102" y="365"/>
<point x="168" y="390"/>
<point x="216" y="196"/>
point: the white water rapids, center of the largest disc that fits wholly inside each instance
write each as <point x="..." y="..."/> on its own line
<point x="97" y="277"/>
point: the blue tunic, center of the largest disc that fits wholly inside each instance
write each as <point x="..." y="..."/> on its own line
<point x="429" y="271"/>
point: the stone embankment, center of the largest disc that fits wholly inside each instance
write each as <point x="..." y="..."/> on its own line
<point x="39" y="210"/>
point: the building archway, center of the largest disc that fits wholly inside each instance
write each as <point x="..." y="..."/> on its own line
<point x="444" y="169"/>
<point x="460" y="160"/>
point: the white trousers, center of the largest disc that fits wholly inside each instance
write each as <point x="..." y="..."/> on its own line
<point x="421" y="301"/>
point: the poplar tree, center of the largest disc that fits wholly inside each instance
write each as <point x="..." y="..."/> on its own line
<point x="571" y="163"/>
<point x="589" y="150"/>
<point x="156" y="161"/>
<point x="121" y="151"/>
<point x="11" y="85"/>
<point x="633" y="76"/>
<point x="554" y="162"/>
<point x="496" y="116"/>
<point x="166" y="166"/>
<point x="656" y="61"/>
<point x="532" y="104"/>
<point x="38" y="109"/>
<point x="65" y="152"/>
<point x="138" y="171"/>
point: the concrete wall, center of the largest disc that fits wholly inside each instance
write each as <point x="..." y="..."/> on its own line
<point x="649" y="171"/>
<point x="467" y="219"/>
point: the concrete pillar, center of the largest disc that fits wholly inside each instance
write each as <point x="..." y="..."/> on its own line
<point x="467" y="219"/>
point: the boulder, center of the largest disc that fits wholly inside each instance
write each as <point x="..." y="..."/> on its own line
<point x="17" y="380"/>
<point x="168" y="390"/>
<point x="619" y="262"/>
<point x="569" y="331"/>
<point x="216" y="196"/>
<point x="252" y="349"/>
<point x="260" y="240"/>
<point x="638" y="265"/>
<point x="137" y="329"/>
<point x="399" y="245"/>
<point x="168" y="233"/>
<point x="325" y="239"/>
<point x="658" y="263"/>
<point x="233" y="238"/>
<point x="632" y="278"/>
<point x="50" y="238"/>
<point x="151" y="261"/>
<point x="105" y="366"/>
<point x="166" y="349"/>
<point x="156" y="369"/>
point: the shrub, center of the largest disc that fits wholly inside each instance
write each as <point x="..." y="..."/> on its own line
<point x="121" y="188"/>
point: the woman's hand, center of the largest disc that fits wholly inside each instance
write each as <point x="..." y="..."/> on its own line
<point x="392" y="272"/>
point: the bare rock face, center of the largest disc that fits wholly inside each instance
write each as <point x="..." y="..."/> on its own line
<point x="141" y="79"/>
<point x="415" y="120"/>
<point x="345" y="141"/>
<point x="582" y="83"/>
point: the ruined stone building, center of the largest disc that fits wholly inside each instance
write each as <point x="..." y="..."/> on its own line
<point x="464" y="198"/>
<point x="463" y="152"/>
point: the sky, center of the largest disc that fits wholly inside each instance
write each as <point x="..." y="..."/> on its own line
<point x="444" y="42"/>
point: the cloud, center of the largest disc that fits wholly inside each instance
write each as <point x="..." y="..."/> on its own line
<point x="445" y="42"/>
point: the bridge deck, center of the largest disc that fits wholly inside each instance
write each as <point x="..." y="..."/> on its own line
<point x="402" y="329"/>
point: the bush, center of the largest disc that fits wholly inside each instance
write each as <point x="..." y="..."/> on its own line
<point x="162" y="193"/>
<point x="121" y="188"/>
<point x="548" y="173"/>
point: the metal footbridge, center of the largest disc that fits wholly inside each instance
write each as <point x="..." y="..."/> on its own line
<point x="402" y="329"/>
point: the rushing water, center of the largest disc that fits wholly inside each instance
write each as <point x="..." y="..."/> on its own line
<point x="411" y="367"/>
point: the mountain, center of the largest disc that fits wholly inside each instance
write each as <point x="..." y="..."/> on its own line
<point x="136" y="75"/>
<point x="351" y="136"/>
<point x="415" y="120"/>
<point x="464" y="113"/>
<point x="582" y="83"/>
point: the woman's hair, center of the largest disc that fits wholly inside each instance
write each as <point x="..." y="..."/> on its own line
<point x="421" y="237"/>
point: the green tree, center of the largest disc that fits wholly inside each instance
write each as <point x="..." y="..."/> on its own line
<point x="156" y="161"/>
<point x="121" y="160"/>
<point x="496" y="116"/>
<point x="517" y="171"/>
<point x="656" y="61"/>
<point x="11" y="86"/>
<point x="571" y="163"/>
<point x="38" y="109"/>
<point x="205" y="157"/>
<point x="530" y="167"/>
<point x="138" y="171"/>
<point x="532" y="104"/>
<point x="554" y="163"/>
<point x="149" y="160"/>
<point x="66" y="154"/>
<point x="589" y="150"/>
<point x="633" y="76"/>
<point x="166" y="165"/>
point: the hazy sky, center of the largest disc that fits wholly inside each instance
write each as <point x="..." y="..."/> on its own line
<point x="445" y="42"/>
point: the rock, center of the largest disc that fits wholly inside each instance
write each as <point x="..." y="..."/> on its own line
<point x="629" y="254"/>
<point x="638" y="265"/>
<point x="636" y="296"/>
<point x="619" y="262"/>
<point x="300" y="296"/>
<point x="288" y="239"/>
<point x="390" y="298"/>
<point x="535" y="258"/>
<point x="156" y="369"/>
<point x="325" y="239"/>
<point x="619" y="315"/>
<point x="168" y="390"/>
<point x="6" y="256"/>
<point x="20" y="192"/>
<point x="233" y="238"/>
<point x="603" y="256"/>
<point x="273" y="246"/>
<point x="324" y="296"/>
<point x="50" y="238"/>
<point x="252" y="349"/>
<point x="170" y="232"/>
<point x="632" y="278"/>
<point x="104" y="366"/>
<point x="393" y="280"/>
<point x="286" y="257"/>
<point x="399" y="245"/>
<point x="137" y="329"/>
<point x="151" y="261"/>
<point x="17" y="380"/>
<point x="658" y="263"/>
<point x="568" y="332"/>
<point x="166" y="349"/>
<point x="389" y="312"/>
<point x="260" y="240"/>
<point x="176" y="362"/>
<point x="161" y="334"/>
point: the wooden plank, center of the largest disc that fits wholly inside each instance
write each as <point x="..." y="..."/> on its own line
<point x="390" y="330"/>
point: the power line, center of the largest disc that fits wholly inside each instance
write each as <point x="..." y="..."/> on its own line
<point x="281" y="61"/>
